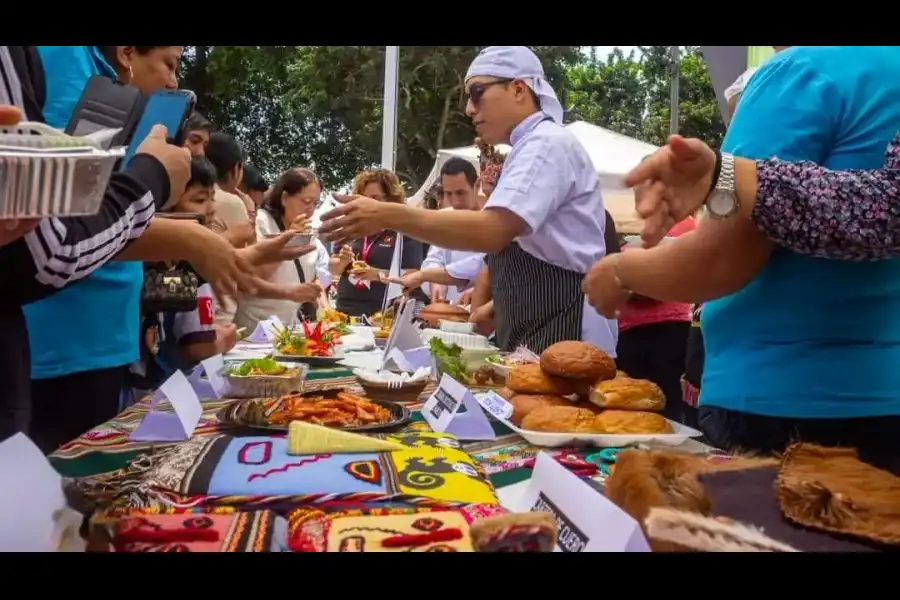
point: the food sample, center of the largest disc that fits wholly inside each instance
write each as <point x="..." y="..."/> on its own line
<point x="624" y="393"/>
<point x="531" y="379"/>
<point x="330" y="315"/>
<point x="631" y="422"/>
<point x="358" y="266"/>
<point x="314" y="341"/>
<point x="578" y="360"/>
<point x="439" y="311"/>
<point x="523" y="404"/>
<point x="560" y="419"/>
<point x="346" y="410"/>
<point x="307" y="438"/>
<point x="519" y="532"/>
<point x="261" y="367"/>
<point x="485" y="375"/>
<point x="449" y="360"/>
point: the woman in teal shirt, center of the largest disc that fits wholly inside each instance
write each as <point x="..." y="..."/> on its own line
<point x="797" y="347"/>
<point x="84" y="338"/>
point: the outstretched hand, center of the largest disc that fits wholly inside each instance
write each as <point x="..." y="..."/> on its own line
<point x="671" y="184"/>
<point x="356" y="217"/>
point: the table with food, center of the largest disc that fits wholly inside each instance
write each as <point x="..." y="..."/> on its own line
<point x="338" y="456"/>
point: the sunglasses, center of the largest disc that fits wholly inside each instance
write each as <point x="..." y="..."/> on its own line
<point x="476" y="92"/>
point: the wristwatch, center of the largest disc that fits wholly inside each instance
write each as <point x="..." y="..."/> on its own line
<point x="722" y="201"/>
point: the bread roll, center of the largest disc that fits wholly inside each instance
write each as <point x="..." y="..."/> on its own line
<point x="559" y="419"/>
<point x="630" y="422"/>
<point x="525" y="403"/>
<point x="530" y="379"/>
<point x="624" y="393"/>
<point x="578" y="360"/>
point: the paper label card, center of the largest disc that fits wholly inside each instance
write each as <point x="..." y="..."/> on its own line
<point x="32" y="494"/>
<point x="404" y="337"/>
<point x="266" y="330"/>
<point x="495" y="405"/>
<point x="441" y="412"/>
<point x="587" y="521"/>
<point x="214" y="367"/>
<point x="409" y="360"/>
<point x="175" y="426"/>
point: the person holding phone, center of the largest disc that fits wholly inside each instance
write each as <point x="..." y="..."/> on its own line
<point x="289" y="206"/>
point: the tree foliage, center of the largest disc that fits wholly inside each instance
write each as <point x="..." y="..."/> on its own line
<point x="321" y="106"/>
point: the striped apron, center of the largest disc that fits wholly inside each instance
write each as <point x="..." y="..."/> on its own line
<point x="537" y="304"/>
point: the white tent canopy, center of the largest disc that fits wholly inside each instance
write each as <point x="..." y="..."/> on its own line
<point x="613" y="156"/>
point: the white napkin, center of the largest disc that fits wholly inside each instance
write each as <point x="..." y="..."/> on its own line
<point x="356" y="280"/>
<point x="421" y="374"/>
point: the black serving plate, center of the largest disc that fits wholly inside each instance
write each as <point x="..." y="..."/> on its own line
<point x="250" y="414"/>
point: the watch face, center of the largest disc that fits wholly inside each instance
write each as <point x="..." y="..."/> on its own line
<point x="721" y="203"/>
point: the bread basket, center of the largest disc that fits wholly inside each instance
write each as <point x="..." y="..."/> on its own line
<point x="408" y="392"/>
<point x="266" y="386"/>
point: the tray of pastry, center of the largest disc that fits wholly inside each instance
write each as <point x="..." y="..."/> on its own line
<point x="576" y="397"/>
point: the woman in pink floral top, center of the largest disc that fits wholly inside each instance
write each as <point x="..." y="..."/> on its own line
<point x="842" y="215"/>
<point x="653" y="339"/>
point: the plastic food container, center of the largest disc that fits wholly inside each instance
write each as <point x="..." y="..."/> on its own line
<point x="265" y="386"/>
<point x="456" y="327"/>
<point x="465" y="341"/>
<point x="44" y="172"/>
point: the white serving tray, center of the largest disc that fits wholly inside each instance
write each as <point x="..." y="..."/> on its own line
<point x="466" y="341"/>
<point x="682" y="433"/>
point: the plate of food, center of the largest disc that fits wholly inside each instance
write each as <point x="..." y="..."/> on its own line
<point x="334" y="408"/>
<point x="575" y="397"/>
<point x="258" y="377"/>
<point x="315" y="345"/>
<point x="472" y="371"/>
<point x="503" y="362"/>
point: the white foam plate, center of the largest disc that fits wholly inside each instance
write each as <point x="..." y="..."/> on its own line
<point x="465" y="341"/>
<point x="635" y="240"/>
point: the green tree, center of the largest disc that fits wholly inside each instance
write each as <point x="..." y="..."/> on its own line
<point x="609" y="94"/>
<point x="699" y="113"/>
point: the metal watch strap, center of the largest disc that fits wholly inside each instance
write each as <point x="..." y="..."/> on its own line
<point x="725" y="181"/>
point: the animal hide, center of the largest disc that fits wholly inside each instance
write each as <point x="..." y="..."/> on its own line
<point x="644" y="480"/>
<point x="830" y="489"/>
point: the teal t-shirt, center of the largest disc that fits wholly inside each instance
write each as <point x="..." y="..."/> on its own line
<point x="808" y="337"/>
<point x="92" y="324"/>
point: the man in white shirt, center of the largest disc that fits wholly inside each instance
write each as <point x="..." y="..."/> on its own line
<point x="449" y="272"/>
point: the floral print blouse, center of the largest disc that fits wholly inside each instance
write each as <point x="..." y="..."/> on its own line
<point x="844" y="215"/>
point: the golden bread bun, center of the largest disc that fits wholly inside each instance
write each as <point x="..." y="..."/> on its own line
<point x="630" y="422"/>
<point x="578" y="360"/>
<point x="530" y="379"/>
<point x="505" y="393"/>
<point x="625" y="393"/>
<point x="559" y="419"/>
<point x="526" y="403"/>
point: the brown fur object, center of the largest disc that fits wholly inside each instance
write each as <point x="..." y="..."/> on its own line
<point x="644" y="480"/>
<point x="578" y="360"/>
<point x="830" y="489"/>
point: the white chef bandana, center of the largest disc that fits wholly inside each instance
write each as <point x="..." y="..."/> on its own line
<point x="518" y="62"/>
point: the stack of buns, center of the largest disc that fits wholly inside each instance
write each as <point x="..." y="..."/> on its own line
<point x="576" y="389"/>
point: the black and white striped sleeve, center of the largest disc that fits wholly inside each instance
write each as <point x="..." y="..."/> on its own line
<point x="63" y="250"/>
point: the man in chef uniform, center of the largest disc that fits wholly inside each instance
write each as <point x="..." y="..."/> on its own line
<point x="543" y="226"/>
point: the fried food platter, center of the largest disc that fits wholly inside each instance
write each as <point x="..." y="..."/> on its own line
<point x="333" y="408"/>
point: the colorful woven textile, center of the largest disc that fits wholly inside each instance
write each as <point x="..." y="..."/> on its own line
<point x="255" y="531"/>
<point x="257" y="472"/>
<point x="311" y="527"/>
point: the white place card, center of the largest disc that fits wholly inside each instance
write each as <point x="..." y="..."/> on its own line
<point x="441" y="412"/>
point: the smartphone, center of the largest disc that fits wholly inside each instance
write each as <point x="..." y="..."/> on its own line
<point x="170" y="108"/>
<point x="105" y="104"/>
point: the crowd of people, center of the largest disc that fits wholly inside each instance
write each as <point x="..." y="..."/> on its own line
<point x="524" y="241"/>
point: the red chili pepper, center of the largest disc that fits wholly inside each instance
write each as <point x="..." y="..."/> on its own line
<point x="306" y="329"/>
<point x="416" y="540"/>
<point x="317" y="332"/>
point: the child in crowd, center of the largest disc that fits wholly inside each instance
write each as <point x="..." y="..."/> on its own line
<point x="181" y="340"/>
